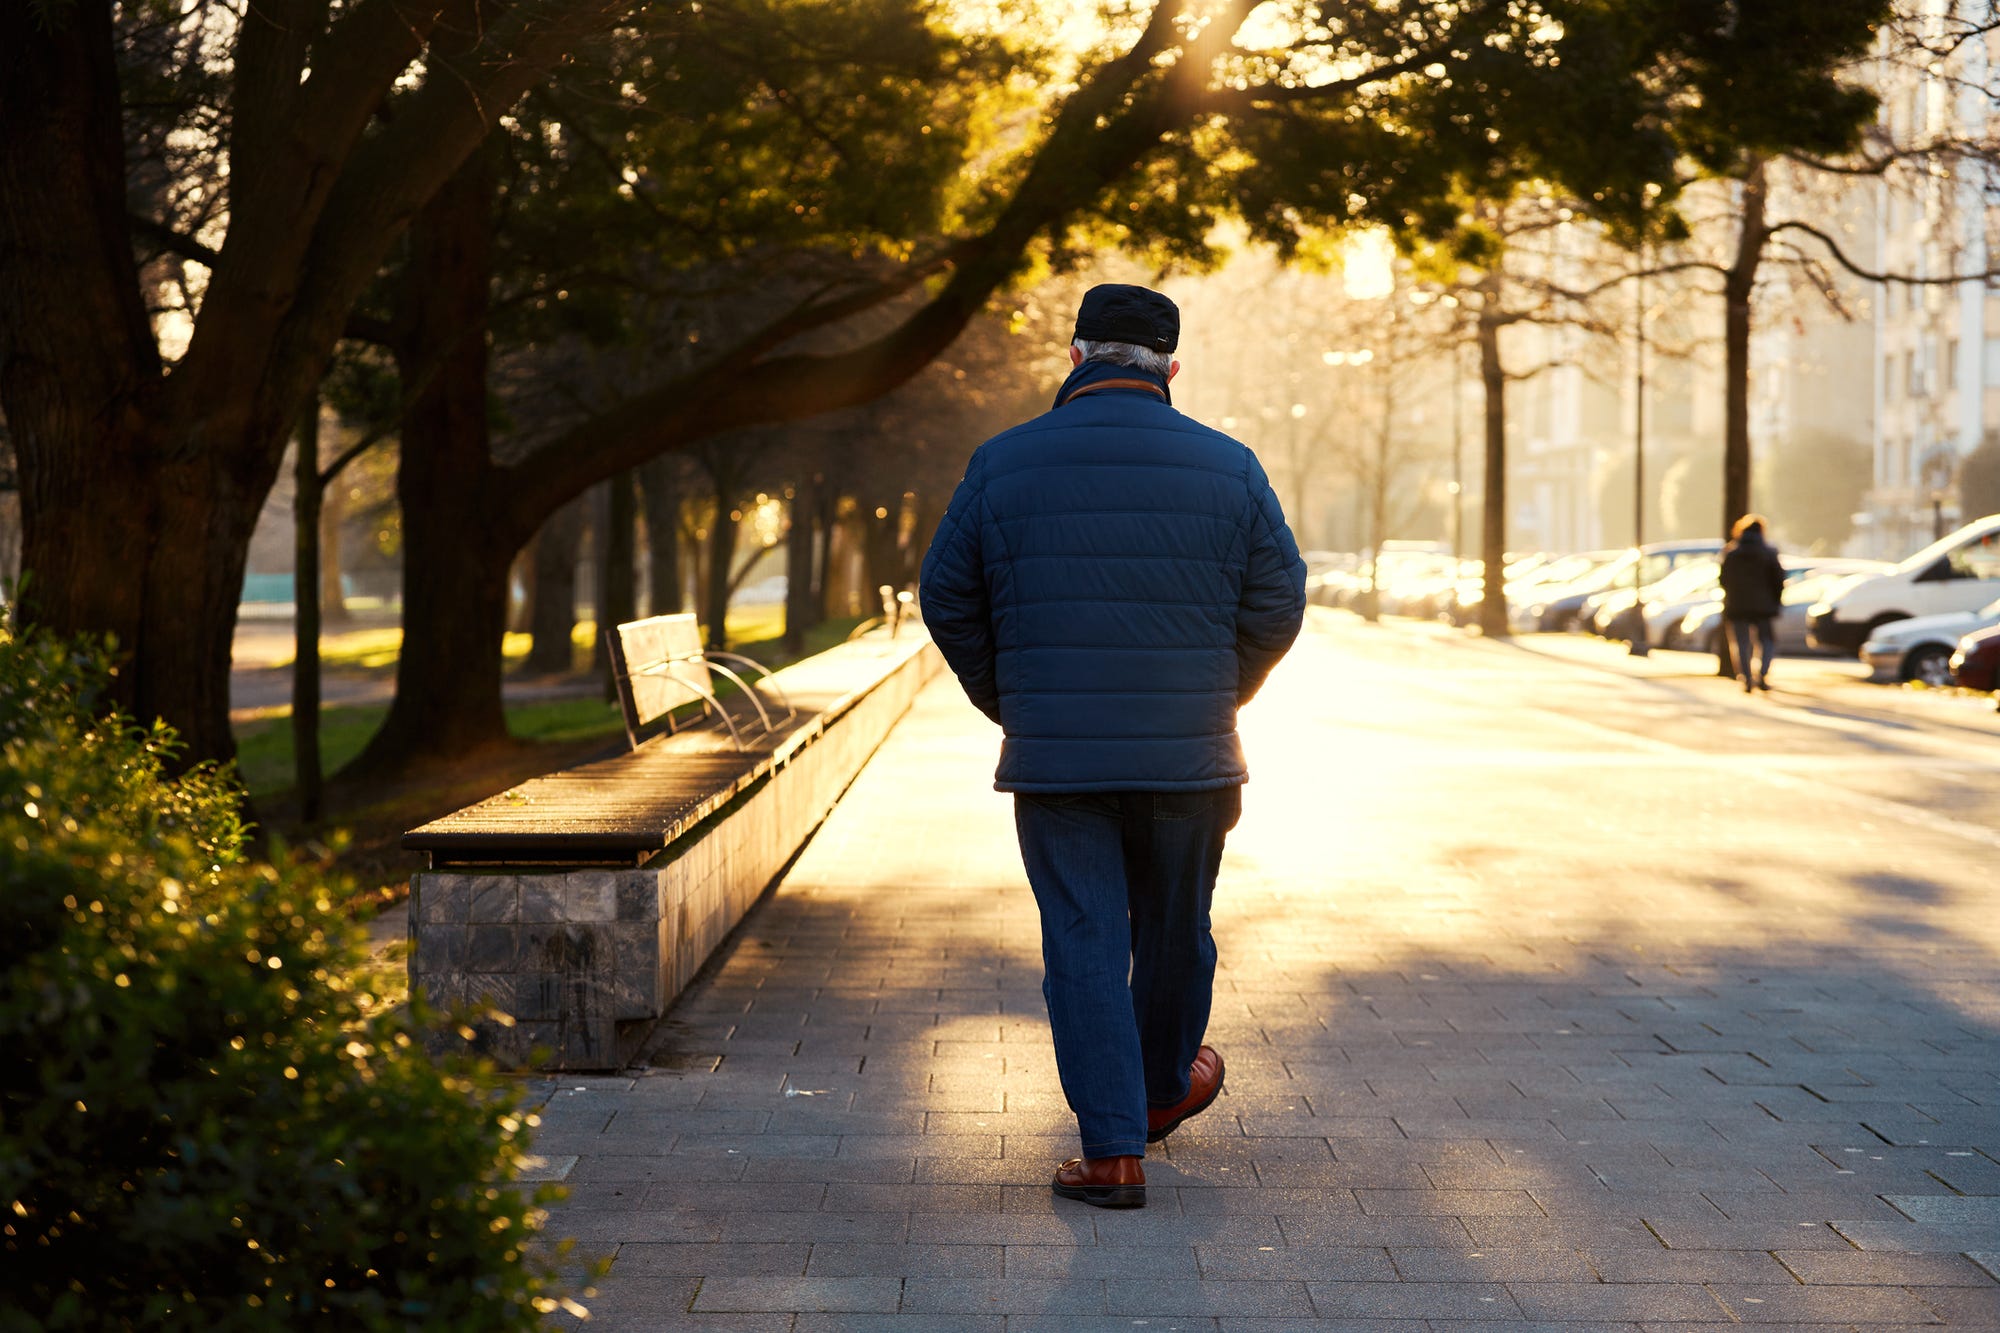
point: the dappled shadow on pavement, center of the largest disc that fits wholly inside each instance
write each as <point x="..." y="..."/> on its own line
<point x="1524" y="1023"/>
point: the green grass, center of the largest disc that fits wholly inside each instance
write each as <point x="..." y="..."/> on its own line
<point x="375" y="649"/>
<point x="264" y="747"/>
<point x="564" y="719"/>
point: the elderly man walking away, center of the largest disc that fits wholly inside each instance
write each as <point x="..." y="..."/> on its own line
<point x="1111" y="583"/>
<point x="1753" y="596"/>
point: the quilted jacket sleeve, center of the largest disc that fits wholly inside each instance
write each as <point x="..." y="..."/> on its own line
<point x="1273" y="604"/>
<point x="953" y="587"/>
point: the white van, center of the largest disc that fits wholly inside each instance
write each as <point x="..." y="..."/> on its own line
<point x="1959" y="572"/>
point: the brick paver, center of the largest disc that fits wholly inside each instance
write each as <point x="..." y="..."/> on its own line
<point x="1551" y="998"/>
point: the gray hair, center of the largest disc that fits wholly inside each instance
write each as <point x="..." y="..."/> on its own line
<point x="1125" y="354"/>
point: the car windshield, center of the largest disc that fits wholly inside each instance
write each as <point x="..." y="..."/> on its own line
<point x="1560" y="571"/>
<point x="1687" y="581"/>
<point x="1946" y="544"/>
<point x="1609" y="573"/>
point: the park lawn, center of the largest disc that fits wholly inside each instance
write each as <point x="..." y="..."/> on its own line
<point x="264" y="747"/>
<point x="375" y="648"/>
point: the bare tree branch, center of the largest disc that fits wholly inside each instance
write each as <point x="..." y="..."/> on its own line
<point x="174" y="242"/>
<point x="1840" y="257"/>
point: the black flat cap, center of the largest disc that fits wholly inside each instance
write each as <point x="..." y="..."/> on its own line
<point x="1121" y="313"/>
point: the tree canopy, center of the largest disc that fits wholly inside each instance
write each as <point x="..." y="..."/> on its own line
<point x="717" y="155"/>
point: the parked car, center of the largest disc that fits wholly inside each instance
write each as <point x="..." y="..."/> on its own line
<point x="1552" y="603"/>
<point x="1679" y="593"/>
<point x="1519" y="574"/>
<point x="1610" y="610"/>
<point x="1960" y="572"/>
<point x="1920" y="649"/>
<point x="1620" y="614"/>
<point x="1976" y="663"/>
<point x="1809" y="580"/>
<point x="1334" y="587"/>
<point x="1417" y="584"/>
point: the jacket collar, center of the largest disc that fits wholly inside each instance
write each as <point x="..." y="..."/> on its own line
<point x="1103" y="377"/>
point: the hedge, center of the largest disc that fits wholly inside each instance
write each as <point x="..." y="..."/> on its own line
<point x="204" y="1123"/>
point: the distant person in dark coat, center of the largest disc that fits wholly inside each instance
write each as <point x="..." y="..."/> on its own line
<point x="1111" y="583"/>
<point x="1753" y="589"/>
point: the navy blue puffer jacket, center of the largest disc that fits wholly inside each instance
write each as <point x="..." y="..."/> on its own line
<point x="1111" y="581"/>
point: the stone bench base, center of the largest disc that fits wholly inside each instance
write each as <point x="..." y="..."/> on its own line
<point x="568" y="961"/>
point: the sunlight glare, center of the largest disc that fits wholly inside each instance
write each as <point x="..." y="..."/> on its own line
<point x="1367" y="261"/>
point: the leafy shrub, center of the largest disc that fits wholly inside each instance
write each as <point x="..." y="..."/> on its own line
<point x="203" y="1124"/>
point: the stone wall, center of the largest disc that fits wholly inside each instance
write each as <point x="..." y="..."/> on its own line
<point x="567" y="961"/>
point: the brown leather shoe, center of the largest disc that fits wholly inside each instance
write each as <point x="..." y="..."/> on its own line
<point x="1204" y="1086"/>
<point x="1106" y="1182"/>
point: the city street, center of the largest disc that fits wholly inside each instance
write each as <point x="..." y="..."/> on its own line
<point x="1557" y="990"/>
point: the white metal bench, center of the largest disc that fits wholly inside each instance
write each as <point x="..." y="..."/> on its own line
<point x="896" y="608"/>
<point x="661" y="671"/>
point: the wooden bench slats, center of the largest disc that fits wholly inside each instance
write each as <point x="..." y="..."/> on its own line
<point x="610" y="809"/>
<point x="623" y="808"/>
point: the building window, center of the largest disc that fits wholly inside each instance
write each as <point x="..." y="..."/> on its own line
<point x="1950" y="364"/>
<point x="1912" y="383"/>
<point x="1889" y="377"/>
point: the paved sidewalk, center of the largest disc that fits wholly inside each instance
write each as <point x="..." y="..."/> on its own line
<point x="1530" y="1021"/>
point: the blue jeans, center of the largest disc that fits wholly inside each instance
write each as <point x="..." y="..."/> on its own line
<point x="1766" y="640"/>
<point x="1124" y="881"/>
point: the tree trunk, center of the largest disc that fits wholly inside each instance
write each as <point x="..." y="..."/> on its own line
<point x="1493" y="505"/>
<point x="617" y="596"/>
<point x="1378" y="487"/>
<point x="136" y="512"/>
<point x="802" y="608"/>
<point x="618" y="600"/>
<point x="552" y="649"/>
<point x="721" y="551"/>
<point x="824" y="580"/>
<point x="457" y="546"/>
<point x="521" y="575"/>
<point x="930" y="510"/>
<point x="882" y="554"/>
<point x="448" y="678"/>
<point x="124" y="535"/>
<point x="1739" y="286"/>
<point x="660" y="498"/>
<point x="305" y="618"/>
<point x="332" y="513"/>
<point x="140" y="492"/>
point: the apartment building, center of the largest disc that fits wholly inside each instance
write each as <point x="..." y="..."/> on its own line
<point x="1936" y="365"/>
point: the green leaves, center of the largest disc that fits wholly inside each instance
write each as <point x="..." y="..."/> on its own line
<point x="202" y="1124"/>
<point x="709" y="151"/>
<point x="1618" y="103"/>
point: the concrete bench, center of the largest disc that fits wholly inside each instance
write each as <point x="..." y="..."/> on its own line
<point x="578" y="905"/>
